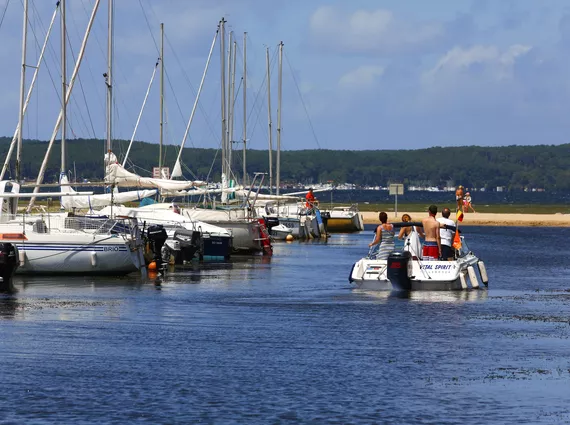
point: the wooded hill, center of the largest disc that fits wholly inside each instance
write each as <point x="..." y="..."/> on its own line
<point x="515" y="167"/>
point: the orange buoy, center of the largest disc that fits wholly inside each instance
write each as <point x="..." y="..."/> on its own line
<point x="152" y="265"/>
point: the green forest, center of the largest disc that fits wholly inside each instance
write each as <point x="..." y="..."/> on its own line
<point x="514" y="167"/>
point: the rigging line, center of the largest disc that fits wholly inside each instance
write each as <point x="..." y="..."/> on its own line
<point x="185" y="74"/>
<point x="174" y="95"/>
<point x="93" y="81"/>
<point x="56" y="89"/>
<point x="302" y="101"/>
<point x="149" y="27"/>
<point x="263" y="84"/>
<point x="194" y="176"/>
<point x="82" y="89"/>
<point x="4" y="13"/>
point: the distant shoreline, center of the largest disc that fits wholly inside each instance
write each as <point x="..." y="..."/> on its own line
<point x="485" y="219"/>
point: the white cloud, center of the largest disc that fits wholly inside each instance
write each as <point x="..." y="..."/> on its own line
<point x="487" y="61"/>
<point x="369" y="31"/>
<point x="362" y="77"/>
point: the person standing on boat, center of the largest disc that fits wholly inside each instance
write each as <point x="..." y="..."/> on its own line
<point x="405" y="231"/>
<point x="446" y="235"/>
<point x="432" y="244"/>
<point x="384" y="236"/>
<point x="311" y="200"/>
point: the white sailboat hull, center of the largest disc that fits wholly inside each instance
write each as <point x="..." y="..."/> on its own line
<point x="77" y="254"/>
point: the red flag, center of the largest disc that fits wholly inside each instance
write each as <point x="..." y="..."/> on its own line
<point x="460" y="216"/>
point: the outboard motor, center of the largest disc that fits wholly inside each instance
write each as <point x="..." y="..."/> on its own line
<point x="271" y="222"/>
<point x="9" y="262"/>
<point x="398" y="276"/>
<point x="157" y="237"/>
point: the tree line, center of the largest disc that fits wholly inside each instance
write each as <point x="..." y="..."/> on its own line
<point x="514" y="167"/>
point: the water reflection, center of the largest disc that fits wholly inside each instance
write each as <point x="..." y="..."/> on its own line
<point x="8" y="306"/>
<point x="472" y="295"/>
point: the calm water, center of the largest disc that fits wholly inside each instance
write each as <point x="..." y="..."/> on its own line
<point x="289" y="341"/>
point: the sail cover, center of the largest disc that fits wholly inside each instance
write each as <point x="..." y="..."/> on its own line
<point x="98" y="201"/>
<point x="117" y="175"/>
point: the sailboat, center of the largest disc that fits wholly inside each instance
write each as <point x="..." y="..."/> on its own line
<point x="61" y="243"/>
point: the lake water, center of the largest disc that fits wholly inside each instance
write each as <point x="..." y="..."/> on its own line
<point x="288" y="340"/>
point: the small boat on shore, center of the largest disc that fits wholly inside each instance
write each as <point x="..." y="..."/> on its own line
<point x="345" y="219"/>
<point x="404" y="270"/>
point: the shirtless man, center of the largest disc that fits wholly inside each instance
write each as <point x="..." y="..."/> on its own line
<point x="432" y="244"/>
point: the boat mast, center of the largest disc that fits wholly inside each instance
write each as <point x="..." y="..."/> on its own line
<point x="223" y="94"/>
<point x="229" y="110"/>
<point x="43" y="167"/>
<point x="244" y="182"/>
<point x="29" y="94"/>
<point x="279" y="84"/>
<point x="269" y="122"/>
<point x="232" y="103"/>
<point x="161" y="98"/>
<point x="22" y="91"/>
<point x="63" y="88"/>
<point x="109" y="78"/>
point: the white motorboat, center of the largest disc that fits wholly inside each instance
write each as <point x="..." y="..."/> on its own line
<point x="345" y="219"/>
<point x="280" y="232"/>
<point x="405" y="270"/>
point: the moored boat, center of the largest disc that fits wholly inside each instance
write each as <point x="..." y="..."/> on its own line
<point x="345" y="219"/>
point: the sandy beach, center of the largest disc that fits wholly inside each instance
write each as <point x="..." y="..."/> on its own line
<point x="485" y="219"/>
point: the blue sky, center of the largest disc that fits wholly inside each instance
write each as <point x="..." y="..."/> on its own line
<point x="371" y="74"/>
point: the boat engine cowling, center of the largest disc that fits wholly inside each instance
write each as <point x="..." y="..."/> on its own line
<point x="9" y="262"/>
<point x="157" y="237"/>
<point x="398" y="275"/>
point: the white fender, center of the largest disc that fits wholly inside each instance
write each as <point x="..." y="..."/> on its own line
<point x="473" y="277"/>
<point x="93" y="259"/>
<point x="483" y="272"/>
<point x="463" y="280"/>
<point x="22" y="257"/>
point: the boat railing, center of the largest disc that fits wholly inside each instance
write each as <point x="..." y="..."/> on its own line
<point x="93" y="225"/>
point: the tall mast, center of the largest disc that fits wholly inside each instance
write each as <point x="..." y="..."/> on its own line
<point x="269" y="122"/>
<point x="223" y="92"/>
<point x="233" y="112"/>
<point x="244" y="178"/>
<point x="63" y="87"/>
<point x="22" y="91"/>
<point x="43" y="167"/>
<point x="279" y="84"/>
<point x="109" y="77"/>
<point x="229" y="109"/>
<point x="161" y="98"/>
<point x="29" y="94"/>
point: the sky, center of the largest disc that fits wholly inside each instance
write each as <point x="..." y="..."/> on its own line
<point x="364" y="74"/>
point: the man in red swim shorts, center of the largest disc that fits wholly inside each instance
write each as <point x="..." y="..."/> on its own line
<point x="432" y="244"/>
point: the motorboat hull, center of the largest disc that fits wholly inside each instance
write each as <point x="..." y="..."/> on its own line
<point x="346" y="224"/>
<point x="216" y="247"/>
<point x="373" y="274"/>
